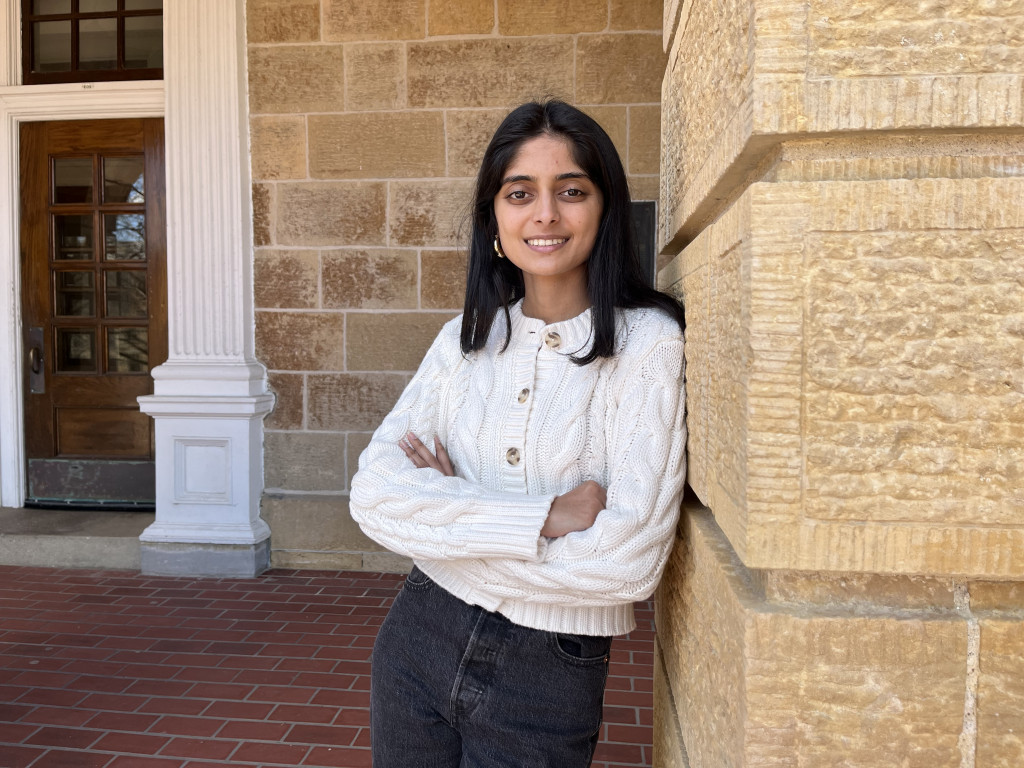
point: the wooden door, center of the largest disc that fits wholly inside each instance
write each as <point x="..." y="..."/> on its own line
<point x="94" y="307"/>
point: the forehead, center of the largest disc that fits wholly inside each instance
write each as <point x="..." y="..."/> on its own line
<point x="542" y="156"/>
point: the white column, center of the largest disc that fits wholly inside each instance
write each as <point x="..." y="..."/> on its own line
<point x="210" y="396"/>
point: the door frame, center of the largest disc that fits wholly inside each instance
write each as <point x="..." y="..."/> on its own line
<point x="18" y="104"/>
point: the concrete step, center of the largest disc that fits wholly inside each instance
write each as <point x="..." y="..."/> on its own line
<point x="61" y="538"/>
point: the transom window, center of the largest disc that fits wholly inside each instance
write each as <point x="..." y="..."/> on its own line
<point x="72" y="41"/>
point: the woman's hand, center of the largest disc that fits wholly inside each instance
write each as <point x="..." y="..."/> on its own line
<point x="575" y="510"/>
<point x="421" y="456"/>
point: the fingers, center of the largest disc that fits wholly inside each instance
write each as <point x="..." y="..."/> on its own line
<point x="422" y="457"/>
<point x="443" y="459"/>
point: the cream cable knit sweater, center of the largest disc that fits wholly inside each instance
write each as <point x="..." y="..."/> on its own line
<point x="523" y="426"/>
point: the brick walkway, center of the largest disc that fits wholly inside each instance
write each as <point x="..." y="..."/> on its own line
<point x="112" y="669"/>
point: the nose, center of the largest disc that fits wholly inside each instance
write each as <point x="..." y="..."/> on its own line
<point x="547" y="208"/>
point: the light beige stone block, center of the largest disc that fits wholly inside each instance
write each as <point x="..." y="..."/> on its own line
<point x="443" y="279"/>
<point x="460" y="17"/>
<point x="615" y="121"/>
<point x="391" y="342"/>
<point x="376" y="145"/>
<point x="346" y="21"/>
<point x="286" y="279"/>
<point x="628" y="15"/>
<point x="296" y="78"/>
<point x="331" y="213"/>
<point x="374" y="76"/>
<point x="278" y="147"/>
<point x="369" y="279"/>
<point x="306" y="525"/>
<point x="467" y="133"/>
<point x="282" y="21"/>
<point x="1000" y="706"/>
<point x="619" y="68"/>
<point x="305" y="461"/>
<point x="351" y="401"/>
<point x="489" y="72"/>
<point x="300" y="341"/>
<point x="288" y="389"/>
<point x="262" y="214"/>
<point x="429" y="213"/>
<point x="355" y="445"/>
<point x="644" y="140"/>
<point x="516" y="17"/>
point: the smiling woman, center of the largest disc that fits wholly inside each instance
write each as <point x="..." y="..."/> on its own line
<point x="532" y="468"/>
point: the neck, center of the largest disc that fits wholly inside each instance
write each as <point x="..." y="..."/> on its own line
<point x="554" y="301"/>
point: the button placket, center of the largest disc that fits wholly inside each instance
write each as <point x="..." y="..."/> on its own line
<point x="512" y="456"/>
<point x="524" y="393"/>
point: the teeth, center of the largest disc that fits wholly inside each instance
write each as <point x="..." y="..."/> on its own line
<point x="559" y="241"/>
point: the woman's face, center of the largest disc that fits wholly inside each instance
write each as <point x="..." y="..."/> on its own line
<point x="548" y="212"/>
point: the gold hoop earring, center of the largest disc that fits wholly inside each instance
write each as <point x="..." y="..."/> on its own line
<point x="497" y="248"/>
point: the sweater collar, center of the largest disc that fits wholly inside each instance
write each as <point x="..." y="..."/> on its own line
<point x="577" y="332"/>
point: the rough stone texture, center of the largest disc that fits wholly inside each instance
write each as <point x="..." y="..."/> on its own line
<point x="288" y="398"/>
<point x="615" y="121"/>
<point x="358" y="402"/>
<point x="391" y="342"/>
<point x="374" y="76"/>
<point x="287" y="279"/>
<point x="279" y="147"/>
<point x="317" y="525"/>
<point x="262" y="214"/>
<point x="282" y="21"/>
<point x="467" y="134"/>
<point x="1001" y="692"/>
<point x="757" y="684"/>
<point x="644" y="140"/>
<point x="296" y="78"/>
<point x="490" y="73"/>
<point x="331" y="213"/>
<point x="305" y="461"/>
<point x="429" y="213"/>
<point x="669" y="750"/>
<point x="636" y="14"/>
<point x="300" y="341"/>
<point x="443" y="279"/>
<point x="376" y="145"/>
<point x="622" y="68"/>
<point x="345" y="20"/>
<point x="460" y="17"/>
<point x="568" y="17"/>
<point x="369" y="279"/>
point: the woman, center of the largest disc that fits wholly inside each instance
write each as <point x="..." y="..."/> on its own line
<point x="532" y="468"/>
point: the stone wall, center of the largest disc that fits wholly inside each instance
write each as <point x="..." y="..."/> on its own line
<point x="841" y="202"/>
<point x="368" y="121"/>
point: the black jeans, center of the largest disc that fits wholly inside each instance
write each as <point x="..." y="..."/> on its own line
<point x="455" y="686"/>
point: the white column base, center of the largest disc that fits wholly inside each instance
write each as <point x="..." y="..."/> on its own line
<point x="209" y="472"/>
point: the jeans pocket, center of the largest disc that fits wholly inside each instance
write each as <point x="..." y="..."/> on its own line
<point x="581" y="650"/>
<point x="418" y="580"/>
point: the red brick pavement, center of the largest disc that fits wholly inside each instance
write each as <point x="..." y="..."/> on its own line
<point x="113" y="669"/>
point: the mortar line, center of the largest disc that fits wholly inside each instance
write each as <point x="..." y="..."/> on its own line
<point x="968" y="739"/>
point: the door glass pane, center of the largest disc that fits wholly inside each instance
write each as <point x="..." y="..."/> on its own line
<point x="123" y="180"/>
<point x="97" y="6"/>
<point x="144" y="42"/>
<point x="51" y="46"/>
<point x="74" y="238"/>
<point x="48" y="7"/>
<point x="74" y="295"/>
<point x="127" y="350"/>
<point x="143" y="5"/>
<point x="72" y="180"/>
<point x="97" y="44"/>
<point x="76" y="350"/>
<point x="126" y="293"/>
<point x="125" y="237"/>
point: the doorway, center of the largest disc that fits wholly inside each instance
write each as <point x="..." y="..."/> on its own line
<point x="94" y="308"/>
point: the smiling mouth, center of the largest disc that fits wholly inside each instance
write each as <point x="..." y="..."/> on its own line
<point x="540" y="243"/>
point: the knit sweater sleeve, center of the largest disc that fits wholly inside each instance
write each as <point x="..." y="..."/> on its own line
<point x="620" y="558"/>
<point x="421" y="513"/>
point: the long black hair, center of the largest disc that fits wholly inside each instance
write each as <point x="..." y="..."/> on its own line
<point x="615" y="277"/>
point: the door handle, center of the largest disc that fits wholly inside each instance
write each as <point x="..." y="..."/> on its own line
<point x="35" y="360"/>
<point x="36" y="366"/>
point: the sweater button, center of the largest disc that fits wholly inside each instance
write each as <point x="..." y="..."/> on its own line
<point x="512" y="456"/>
<point x="553" y="340"/>
<point x="523" y="394"/>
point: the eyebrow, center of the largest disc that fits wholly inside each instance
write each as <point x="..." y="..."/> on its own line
<point x="559" y="177"/>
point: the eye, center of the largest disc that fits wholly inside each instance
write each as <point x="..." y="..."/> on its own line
<point x="518" y="194"/>
<point x="574" y="193"/>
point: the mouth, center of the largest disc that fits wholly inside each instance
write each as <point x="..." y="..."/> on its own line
<point x="546" y="242"/>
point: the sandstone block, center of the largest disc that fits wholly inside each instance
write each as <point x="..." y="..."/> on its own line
<point x="615" y="121"/>
<point x="262" y="214"/>
<point x="376" y="145"/>
<point x="356" y="402"/>
<point x="628" y="15"/>
<point x="357" y="442"/>
<point x="1000" y="705"/>
<point x="460" y="17"/>
<point x="319" y="524"/>
<point x="429" y="213"/>
<point x="490" y="72"/>
<point x="288" y="400"/>
<point x="644" y="188"/>
<point x="382" y="20"/>
<point x="467" y="135"/>
<point x="644" y="140"/>
<point x="516" y="17"/>
<point x="374" y="76"/>
<point x="278" y="147"/>
<point x="300" y="341"/>
<point x="286" y="279"/>
<point x="296" y="78"/>
<point x="304" y="461"/>
<point x="325" y="213"/>
<point x="619" y="68"/>
<point x="443" y="279"/>
<point x="282" y="21"/>
<point x="369" y="279"/>
<point x="391" y="342"/>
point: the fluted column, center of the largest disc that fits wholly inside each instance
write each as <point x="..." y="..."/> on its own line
<point x="210" y="396"/>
